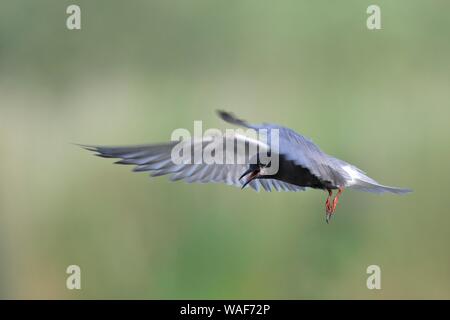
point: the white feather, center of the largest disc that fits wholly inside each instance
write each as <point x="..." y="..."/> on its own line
<point x="354" y="174"/>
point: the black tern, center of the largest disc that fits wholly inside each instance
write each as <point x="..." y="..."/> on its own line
<point x="301" y="164"/>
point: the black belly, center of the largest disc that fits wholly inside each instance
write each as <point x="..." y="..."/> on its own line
<point x="294" y="174"/>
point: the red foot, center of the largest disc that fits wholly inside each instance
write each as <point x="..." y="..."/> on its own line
<point x="328" y="202"/>
<point x="336" y="199"/>
<point x="330" y="209"/>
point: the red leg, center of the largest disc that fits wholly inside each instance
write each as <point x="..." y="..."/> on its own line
<point x="328" y="202"/>
<point x="331" y="208"/>
<point x="336" y="199"/>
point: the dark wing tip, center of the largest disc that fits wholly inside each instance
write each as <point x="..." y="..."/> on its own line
<point x="226" y="116"/>
<point x="222" y="113"/>
<point x="231" y="118"/>
<point x="86" y="147"/>
<point x="99" y="151"/>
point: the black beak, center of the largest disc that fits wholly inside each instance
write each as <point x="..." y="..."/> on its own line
<point x="253" y="175"/>
<point x="245" y="173"/>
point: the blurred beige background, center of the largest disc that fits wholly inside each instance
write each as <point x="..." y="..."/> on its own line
<point x="139" y="69"/>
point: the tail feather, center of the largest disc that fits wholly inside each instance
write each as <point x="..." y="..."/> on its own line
<point x="378" y="188"/>
<point x="358" y="180"/>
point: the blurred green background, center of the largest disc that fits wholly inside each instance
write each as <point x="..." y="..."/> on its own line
<point x="139" y="69"/>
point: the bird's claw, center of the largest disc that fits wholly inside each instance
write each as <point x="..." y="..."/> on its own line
<point x="328" y="207"/>
<point x="328" y="215"/>
<point x="331" y="206"/>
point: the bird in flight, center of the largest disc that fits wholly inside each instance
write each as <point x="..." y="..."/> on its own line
<point x="301" y="164"/>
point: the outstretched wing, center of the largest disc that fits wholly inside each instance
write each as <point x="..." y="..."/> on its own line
<point x="157" y="159"/>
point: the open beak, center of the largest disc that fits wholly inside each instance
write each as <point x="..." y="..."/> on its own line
<point x="252" y="176"/>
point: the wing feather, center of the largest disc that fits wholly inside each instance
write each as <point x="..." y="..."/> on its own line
<point x="156" y="159"/>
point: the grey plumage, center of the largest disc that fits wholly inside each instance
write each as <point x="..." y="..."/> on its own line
<point x="156" y="159"/>
<point x="302" y="163"/>
<point x="303" y="152"/>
